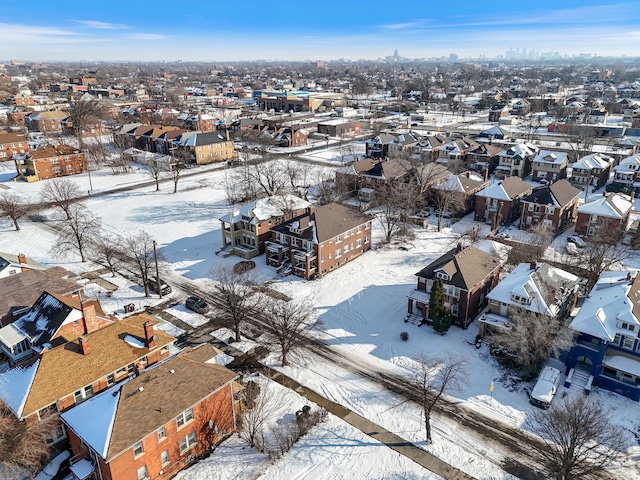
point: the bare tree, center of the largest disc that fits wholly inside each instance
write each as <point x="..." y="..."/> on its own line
<point x="394" y="201"/>
<point x="76" y="232"/>
<point x="262" y="406"/>
<point x="139" y="254"/>
<point x="179" y="164"/>
<point x="299" y="175"/>
<point x="289" y="324"/>
<point x="61" y="193"/>
<point x="433" y="377"/>
<point x="81" y="113"/>
<point x="155" y="170"/>
<point x="449" y="201"/>
<point x="23" y="449"/>
<point x="237" y="295"/>
<point x="269" y="176"/>
<point x="532" y="338"/>
<point x="14" y="207"/>
<point x="601" y="253"/>
<point x="580" y="438"/>
<point x="107" y="250"/>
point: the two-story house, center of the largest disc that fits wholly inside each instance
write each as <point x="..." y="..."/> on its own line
<point x="49" y="121"/>
<point x="468" y="275"/>
<point x="627" y="173"/>
<point x="607" y="347"/>
<point x="550" y="166"/>
<point x="50" y="162"/>
<point x="591" y="170"/>
<point x="155" y="424"/>
<point x="463" y="188"/>
<point x="13" y="264"/>
<point x="537" y="288"/>
<point x="483" y="158"/>
<point x="552" y="205"/>
<point x="500" y="203"/>
<point x="66" y="375"/>
<point x="207" y="147"/>
<point x="245" y="230"/>
<point x="12" y="144"/>
<point x="454" y="152"/>
<point x="608" y="214"/>
<point x="315" y="243"/>
<point x="515" y="161"/>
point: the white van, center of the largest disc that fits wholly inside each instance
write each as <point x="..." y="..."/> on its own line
<point x="546" y="387"/>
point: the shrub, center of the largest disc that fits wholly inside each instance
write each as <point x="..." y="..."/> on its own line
<point x="404" y="336"/>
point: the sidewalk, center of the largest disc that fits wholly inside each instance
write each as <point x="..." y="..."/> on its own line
<point x="393" y="441"/>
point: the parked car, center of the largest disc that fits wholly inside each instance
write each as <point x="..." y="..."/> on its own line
<point x="234" y="162"/>
<point x="546" y="387"/>
<point x="165" y="288"/>
<point x="244" y="266"/>
<point x="577" y="241"/>
<point x="571" y="248"/>
<point x="196" y="304"/>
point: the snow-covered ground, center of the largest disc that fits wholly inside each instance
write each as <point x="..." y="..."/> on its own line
<point x="362" y="304"/>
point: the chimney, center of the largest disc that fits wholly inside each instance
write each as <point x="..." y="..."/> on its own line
<point x="486" y="174"/>
<point x="459" y="247"/>
<point x="633" y="195"/>
<point x="533" y="265"/>
<point x="468" y="174"/>
<point x="89" y="316"/>
<point x="22" y="259"/>
<point x="84" y="345"/>
<point x="149" y="338"/>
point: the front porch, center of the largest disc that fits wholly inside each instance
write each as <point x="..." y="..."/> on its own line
<point x="418" y="307"/>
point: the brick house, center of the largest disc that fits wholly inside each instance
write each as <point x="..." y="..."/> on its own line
<point x="51" y="162"/>
<point x="606" y="352"/>
<point x="468" y="275"/>
<point x="12" y="144"/>
<point x="247" y="229"/>
<point x="93" y="126"/>
<point x="339" y="127"/>
<point x="46" y="121"/>
<point x="19" y="292"/>
<point x="51" y="321"/>
<point x="484" y="157"/>
<point x="515" y="161"/>
<point x="464" y="187"/>
<point x="553" y="205"/>
<point x="66" y="375"/>
<point x="500" y="203"/>
<point x="315" y="243"/>
<point x="536" y="288"/>
<point x="593" y="169"/>
<point x="155" y="424"/>
<point x="550" y="166"/>
<point x="605" y="214"/>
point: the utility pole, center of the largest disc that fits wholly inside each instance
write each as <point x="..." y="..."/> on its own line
<point x="155" y="258"/>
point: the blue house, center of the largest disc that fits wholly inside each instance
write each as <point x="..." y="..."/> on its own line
<point x="607" y="349"/>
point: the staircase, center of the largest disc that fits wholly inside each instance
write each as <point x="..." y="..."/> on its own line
<point x="413" y="319"/>
<point x="579" y="381"/>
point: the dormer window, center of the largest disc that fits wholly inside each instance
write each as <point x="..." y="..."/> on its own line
<point x="627" y="326"/>
<point x="520" y="299"/>
<point x="442" y="275"/>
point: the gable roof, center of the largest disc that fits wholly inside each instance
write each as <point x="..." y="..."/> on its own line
<point x="11" y="138"/>
<point x="21" y="291"/>
<point x="266" y="208"/>
<point x="132" y="410"/>
<point x="613" y="298"/>
<point x="463" y="183"/>
<point x="333" y="219"/>
<point x="553" y="158"/>
<point x="595" y="160"/>
<point x="546" y="287"/>
<point x="64" y="369"/>
<point x="466" y="268"/>
<point x="507" y="189"/>
<point x="558" y="194"/>
<point x="614" y="205"/>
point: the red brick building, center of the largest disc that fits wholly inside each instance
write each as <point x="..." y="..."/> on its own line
<point x="319" y="241"/>
<point x="46" y="121"/>
<point x="467" y="276"/>
<point x="604" y="214"/>
<point x="157" y="423"/>
<point x="51" y="162"/>
<point x="12" y="144"/>
<point x="554" y="205"/>
<point x="500" y="203"/>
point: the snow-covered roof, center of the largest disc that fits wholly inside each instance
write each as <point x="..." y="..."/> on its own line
<point x="607" y="303"/>
<point x="555" y="158"/>
<point x="266" y="208"/>
<point x="625" y="364"/>
<point x="545" y="286"/>
<point x="614" y="206"/>
<point x="15" y="385"/>
<point x="592" y="161"/>
<point x="93" y="420"/>
<point x="494" y="191"/>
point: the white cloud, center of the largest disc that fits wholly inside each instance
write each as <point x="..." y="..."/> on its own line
<point x="102" y="25"/>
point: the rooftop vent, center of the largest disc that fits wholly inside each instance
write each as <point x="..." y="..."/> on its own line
<point x="172" y="371"/>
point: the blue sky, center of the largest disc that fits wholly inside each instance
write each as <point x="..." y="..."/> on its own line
<point x="286" y="30"/>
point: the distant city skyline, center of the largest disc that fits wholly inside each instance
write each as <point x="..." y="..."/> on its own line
<point x="286" y="30"/>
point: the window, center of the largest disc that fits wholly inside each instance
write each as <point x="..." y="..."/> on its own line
<point x="187" y="442"/>
<point x="162" y="434"/>
<point x="338" y="238"/>
<point x="142" y="473"/>
<point x="69" y="168"/>
<point x="164" y="457"/>
<point x="366" y="239"/>
<point x="56" y="169"/>
<point x="338" y="253"/>
<point x="55" y="435"/>
<point x="345" y="249"/>
<point x="184" y="418"/>
<point x="359" y="229"/>
<point x="628" y="343"/>
<point x="138" y="450"/>
<point x="346" y="234"/>
<point x="454" y="309"/>
<point x="67" y="159"/>
<point x="81" y="395"/>
<point x="111" y="379"/>
<point x="54" y="161"/>
<point x="442" y="275"/>
<point x="359" y="243"/>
